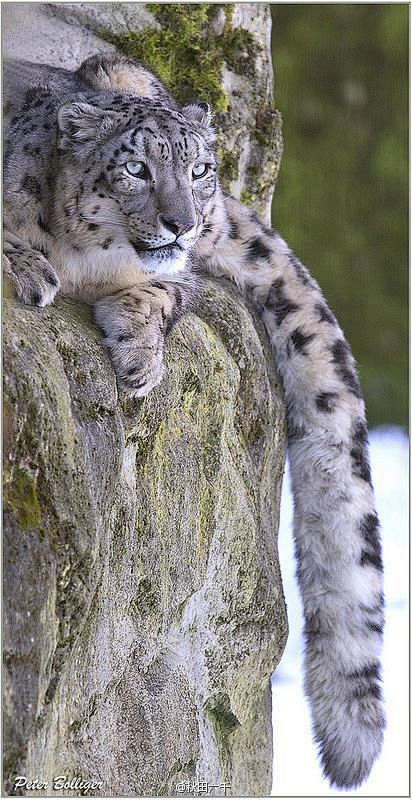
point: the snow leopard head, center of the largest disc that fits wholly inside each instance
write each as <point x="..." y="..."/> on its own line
<point x="136" y="178"/>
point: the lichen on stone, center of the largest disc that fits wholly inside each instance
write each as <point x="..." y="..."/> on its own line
<point x="185" y="52"/>
<point x="143" y="641"/>
<point x="21" y="497"/>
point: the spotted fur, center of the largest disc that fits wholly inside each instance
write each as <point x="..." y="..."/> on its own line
<point x="77" y="219"/>
<point x="335" y="524"/>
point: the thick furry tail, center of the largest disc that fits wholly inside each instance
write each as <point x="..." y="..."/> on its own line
<point x="336" y="527"/>
<point x="340" y="577"/>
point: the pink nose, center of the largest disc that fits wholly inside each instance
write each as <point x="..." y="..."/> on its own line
<point x="177" y="226"/>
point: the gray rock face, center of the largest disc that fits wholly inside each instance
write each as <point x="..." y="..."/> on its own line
<point x="250" y="140"/>
<point x="143" y="603"/>
<point x="32" y="33"/>
<point x="64" y="34"/>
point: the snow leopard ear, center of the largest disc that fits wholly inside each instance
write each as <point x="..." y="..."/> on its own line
<point x="199" y="112"/>
<point x="200" y="115"/>
<point x="81" y="124"/>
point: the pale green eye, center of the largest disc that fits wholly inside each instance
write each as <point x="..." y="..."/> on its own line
<point x="136" y="168"/>
<point x="199" y="170"/>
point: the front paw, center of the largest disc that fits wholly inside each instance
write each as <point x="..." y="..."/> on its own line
<point x="35" y="281"/>
<point x="134" y="324"/>
<point x="138" y="369"/>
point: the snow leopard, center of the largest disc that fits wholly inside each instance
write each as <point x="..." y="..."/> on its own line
<point x="112" y="195"/>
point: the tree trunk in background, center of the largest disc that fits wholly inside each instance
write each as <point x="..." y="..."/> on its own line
<point x="143" y="605"/>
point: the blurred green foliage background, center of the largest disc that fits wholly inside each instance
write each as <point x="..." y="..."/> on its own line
<point x="341" y="80"/>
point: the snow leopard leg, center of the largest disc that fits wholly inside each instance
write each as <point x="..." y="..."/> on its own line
<point x="336" y="528"/>
<point x="33" y="278"/>
<point x="136" y="321"/>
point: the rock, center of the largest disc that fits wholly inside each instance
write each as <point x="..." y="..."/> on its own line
<point x="143" y="605"/>
<point x="250" y="139"/>
<point x="64" y="34"/>
<point x="32" y="33"/>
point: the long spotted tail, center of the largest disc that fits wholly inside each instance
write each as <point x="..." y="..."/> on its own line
<point x="335" y="525"/>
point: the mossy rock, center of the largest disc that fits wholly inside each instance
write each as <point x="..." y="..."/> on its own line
<point x="143" y="606"/>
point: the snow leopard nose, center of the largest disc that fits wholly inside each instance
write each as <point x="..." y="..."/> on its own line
<point x="177" y="226"/>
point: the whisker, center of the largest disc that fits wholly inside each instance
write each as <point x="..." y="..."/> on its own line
<point x="108" y="220"/>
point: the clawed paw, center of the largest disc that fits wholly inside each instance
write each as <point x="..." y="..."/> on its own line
<point x="145" y="373"/>
<point x="134" y="324"/>
<point x="35" y="280"/>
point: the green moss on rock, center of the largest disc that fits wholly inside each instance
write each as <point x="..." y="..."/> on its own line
<point x="21" y="497"/>
<point x="186" y="54"/>
<point x="228" y="161"/>
<point x="223" y="720"/>
<point x="224" y="724"/>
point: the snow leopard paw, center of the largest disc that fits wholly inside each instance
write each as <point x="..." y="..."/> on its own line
<point x="35" y="281"/>
<point x="135" y="323"/>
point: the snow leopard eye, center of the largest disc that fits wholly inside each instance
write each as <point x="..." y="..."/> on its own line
<point x="137" y="168"/>
<point x="200" y="170"/>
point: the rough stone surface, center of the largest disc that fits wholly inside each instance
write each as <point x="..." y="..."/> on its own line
<point x="250" y="140"/>
<point x="143" y="608"/>
<point x="64" y="34"/>
<point x="30" y="33"/>
<point x="143" y="603"/>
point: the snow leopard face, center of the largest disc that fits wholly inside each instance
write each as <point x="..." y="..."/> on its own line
<point x="138" y="180"/>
